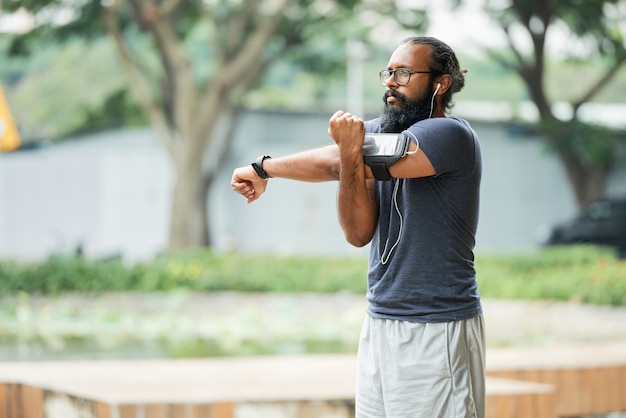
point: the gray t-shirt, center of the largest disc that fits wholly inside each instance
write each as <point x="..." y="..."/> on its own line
<point x="421" y="266"/>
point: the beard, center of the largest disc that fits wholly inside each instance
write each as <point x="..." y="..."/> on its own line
<point x="395" y="119"/>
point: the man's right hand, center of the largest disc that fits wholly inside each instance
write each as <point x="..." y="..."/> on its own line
<point x="247" y="183"/>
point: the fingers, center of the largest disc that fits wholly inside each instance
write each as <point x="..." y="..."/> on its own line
<point x="243" y="185"/>
<point x="247" y="183"/>
<point x="337" y="114"/>
<point x="244" y="188"/>
<point x="343" y="122"/>
<point x="340" y="115"/>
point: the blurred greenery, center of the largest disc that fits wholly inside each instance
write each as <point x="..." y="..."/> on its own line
<point x="60" y="91"/>
<point x="585" y="274"/>
<point x="71" y="307"/>
<point x="69" y="90"/>
<point x="579" y="273"/>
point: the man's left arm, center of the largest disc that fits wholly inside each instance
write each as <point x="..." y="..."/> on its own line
<point x="356" y="206"/>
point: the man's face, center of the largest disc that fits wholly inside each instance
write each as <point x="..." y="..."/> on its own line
<point x="405" y="111"/>
<point x="406" y="104"/>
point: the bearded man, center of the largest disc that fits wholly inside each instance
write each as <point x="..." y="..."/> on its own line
<point x="422" y="346"/>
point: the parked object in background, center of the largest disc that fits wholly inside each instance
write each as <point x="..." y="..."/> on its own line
<point x="603" y="223"/>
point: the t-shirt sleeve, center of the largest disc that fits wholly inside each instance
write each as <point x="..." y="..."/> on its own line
<point x="447" y="142"/>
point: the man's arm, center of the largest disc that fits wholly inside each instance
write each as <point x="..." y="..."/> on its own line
<point x="356" y="206"/>
<point x="413" y="165"/>
<point x="316" y="165"/>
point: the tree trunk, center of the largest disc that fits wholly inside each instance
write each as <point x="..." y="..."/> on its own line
<point x="188" y="224"/>
<point x="588" y="183"/>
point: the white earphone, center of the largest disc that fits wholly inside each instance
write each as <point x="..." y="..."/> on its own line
<point x="432" y="100"/>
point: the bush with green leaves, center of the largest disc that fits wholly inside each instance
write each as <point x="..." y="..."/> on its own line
<point x="583" y="273"/>
<point x="579" y="273"/>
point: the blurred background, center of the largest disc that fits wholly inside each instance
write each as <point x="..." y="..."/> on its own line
<point x="121" y="123"/>
<point x="127" y="123"/>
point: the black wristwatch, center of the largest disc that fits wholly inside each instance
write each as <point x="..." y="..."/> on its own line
<point x="258" y="166"/>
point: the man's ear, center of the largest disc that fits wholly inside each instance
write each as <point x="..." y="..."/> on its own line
<point x="445" y="81"/>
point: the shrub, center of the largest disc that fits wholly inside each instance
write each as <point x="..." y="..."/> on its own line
<point x="581" y="273"/>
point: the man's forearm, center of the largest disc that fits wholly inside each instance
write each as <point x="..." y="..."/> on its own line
<point x="356" y="207"/>
<point x="319" y="164"/>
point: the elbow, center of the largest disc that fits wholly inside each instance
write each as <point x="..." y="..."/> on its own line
<point x="357" y="240"/>
<point x="358" y="229"/>
<point x="359" y="244"/>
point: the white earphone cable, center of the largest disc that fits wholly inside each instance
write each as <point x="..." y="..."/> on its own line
<point x="385" y="259"/>
<point x="432" y="101"/>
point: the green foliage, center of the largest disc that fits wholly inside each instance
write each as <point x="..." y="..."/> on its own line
<point x="569" y="78"/>
<point x="581" y="273"/>
<point x="197" y="271"/>
<point x="591" y="144"/>
<point x="211" y="35"/>
<point x="118" y="111"/>
<point x="68" y="89"/>
<point x="585" y="274"/>
<point x="209" y="271"/>
<point x="67" y="273"/>
<point x="88" y="90"/>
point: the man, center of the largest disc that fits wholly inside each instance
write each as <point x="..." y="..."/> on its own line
<point x="422" y="345"/>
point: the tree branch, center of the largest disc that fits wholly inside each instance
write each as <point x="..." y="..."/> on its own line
<point x="237" y="27"/>
<point x="168" y="6"/>
<point x="139" y="85"/>
<point x="176" y="66"/>
<point x="246" y="60"/>
<point x="518" y="55"/>
<point x="249" y="54"/>
<point x="600" y="83"/>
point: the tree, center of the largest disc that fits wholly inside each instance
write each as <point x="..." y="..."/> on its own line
<point x="192" y="111"/>
<point x="595" y="27"/>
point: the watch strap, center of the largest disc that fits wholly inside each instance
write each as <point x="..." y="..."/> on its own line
<point x="257" y="165"/>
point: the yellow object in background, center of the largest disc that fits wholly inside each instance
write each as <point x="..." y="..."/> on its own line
<point x="9" y="136"/>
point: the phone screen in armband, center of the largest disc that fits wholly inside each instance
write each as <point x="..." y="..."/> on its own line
<point x="381" y="151"/>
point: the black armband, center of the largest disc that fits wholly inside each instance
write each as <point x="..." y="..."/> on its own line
<point x="381" y="151"/>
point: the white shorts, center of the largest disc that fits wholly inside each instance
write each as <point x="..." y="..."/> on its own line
<point x="421" y="370"/>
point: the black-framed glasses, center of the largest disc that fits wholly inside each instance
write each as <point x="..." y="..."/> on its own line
<point x="402" y="76"/>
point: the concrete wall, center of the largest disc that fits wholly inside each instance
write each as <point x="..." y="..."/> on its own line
<point x="111" y="194"/>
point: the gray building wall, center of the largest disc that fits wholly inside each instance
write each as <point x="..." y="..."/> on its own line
<point x="110" y="194"/>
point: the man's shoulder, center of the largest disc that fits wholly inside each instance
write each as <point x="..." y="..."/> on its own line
<point x="452" y="125"/>
<point x="451" y="121"/>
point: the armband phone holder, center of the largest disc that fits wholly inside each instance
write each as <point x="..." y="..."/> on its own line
<point x="381" y="151"/>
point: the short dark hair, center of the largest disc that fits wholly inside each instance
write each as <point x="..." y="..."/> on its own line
<point x="442" y="61"/>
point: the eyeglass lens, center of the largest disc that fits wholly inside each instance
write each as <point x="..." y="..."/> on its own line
<point x="401" y="76"/>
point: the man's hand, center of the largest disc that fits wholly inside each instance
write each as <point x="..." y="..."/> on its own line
<point x="247" y="183"/>
<point x="348" y="132"/>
